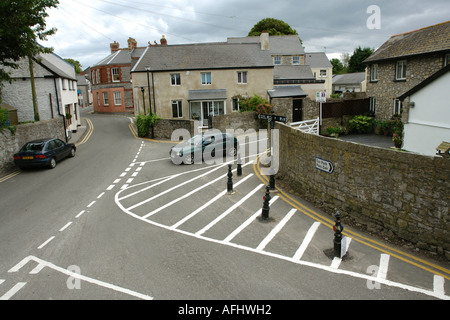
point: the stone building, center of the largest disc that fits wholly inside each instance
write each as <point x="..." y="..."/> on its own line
<point x="111" y="79"/>
<point x="403" y="62"/>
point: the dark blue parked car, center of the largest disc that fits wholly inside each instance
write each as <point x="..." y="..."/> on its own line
<point x="43" y="152"/>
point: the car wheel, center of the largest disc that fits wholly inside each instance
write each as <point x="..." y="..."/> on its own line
<point x="188" y="159"/>
<point x="72" y="152"/>
<point x="52" y="163"/>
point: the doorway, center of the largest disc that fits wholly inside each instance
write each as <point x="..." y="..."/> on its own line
<point x="297" y="110"/>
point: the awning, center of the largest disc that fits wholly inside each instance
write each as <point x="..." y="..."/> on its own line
<point x="287" y="92"/>
<point x="211" y="94"/>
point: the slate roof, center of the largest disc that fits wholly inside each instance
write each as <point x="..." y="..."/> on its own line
<point x="278" y="45"/>
<point x="286" y="92"/>
<point x="293" y="72"/>
<point x="434" y="38"/>
<point x="317" y="60"/>
<point x="203" y="56"/>
<point x="349" y="78"/>
<point x="122" y="56"/>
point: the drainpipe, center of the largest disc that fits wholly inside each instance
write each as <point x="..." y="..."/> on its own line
<point x="59" y="112"/>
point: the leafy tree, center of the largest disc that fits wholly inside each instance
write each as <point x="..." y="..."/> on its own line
<point x="76" y="64"/>
<point x="359" y="55"/>
<point x="338" y="66"/>
<point x="275" y="27"/>
<point x="22" y="23"/>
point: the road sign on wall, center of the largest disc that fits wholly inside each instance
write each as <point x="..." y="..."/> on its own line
<point x="324" y="165"/>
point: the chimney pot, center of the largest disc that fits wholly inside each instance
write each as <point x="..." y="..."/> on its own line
<point x="163" y="41"/>
<point x="114" y="46"/>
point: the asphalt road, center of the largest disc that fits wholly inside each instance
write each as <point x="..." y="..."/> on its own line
<point x="120" y="221"/>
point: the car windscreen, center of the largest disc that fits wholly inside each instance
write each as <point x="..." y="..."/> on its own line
<point x="33" y="147"/>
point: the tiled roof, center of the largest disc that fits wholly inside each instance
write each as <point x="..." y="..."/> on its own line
<point x="204" y="56"/>
<point x="434" y="38"/>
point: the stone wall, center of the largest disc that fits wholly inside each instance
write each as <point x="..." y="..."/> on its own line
<point x="402" y="193"/>
<point x="237" y="120"/>
<point x="165" y="127"/>
<point x="11" y="143"/>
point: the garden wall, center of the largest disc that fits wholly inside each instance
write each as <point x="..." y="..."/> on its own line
<point x="11" y="143"/>
<point x="404" y="193"/>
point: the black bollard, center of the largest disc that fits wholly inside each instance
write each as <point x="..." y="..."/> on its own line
<point x="239" y="165"/>
<point x="337" y="228"/>
<point x="266" y="208"/>
<point x="230" y="180"/>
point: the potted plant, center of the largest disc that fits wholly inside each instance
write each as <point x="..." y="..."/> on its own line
<point x="398" y="140"/>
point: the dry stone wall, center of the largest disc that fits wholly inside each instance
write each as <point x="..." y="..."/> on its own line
<point x="404" y="193"/>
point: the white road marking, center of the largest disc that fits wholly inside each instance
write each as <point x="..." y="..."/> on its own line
<point x="91" y="204"/>
<point x="66" y="226"/>
<point x="46" y="242"/>
<point x="438" y="285"/>
<point x="224" y="214"/>
<point x="100" y="195"/>
<point x="309" y="235"/>
<point x="383" y="267"/>
<point x="13" y="291"/>
<point x="247" y="222"/>
<point x="275" y="230"/>
<point x="79" y="215"/>
<point x="111" y="186"/>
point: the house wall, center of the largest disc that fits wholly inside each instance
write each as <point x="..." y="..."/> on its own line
<point x="429" y="120"/>
<point x="386" y="89"/>
<point x="328" y="85"/>
<point x="258" y="82"/>
<point x="403" y="193"/>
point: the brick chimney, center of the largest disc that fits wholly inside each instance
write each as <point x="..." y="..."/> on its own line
<point x="264" y="40"/>
<point x="163" y="41"/>
<point x="114" y="46"/>
<point x="132" y="44"/>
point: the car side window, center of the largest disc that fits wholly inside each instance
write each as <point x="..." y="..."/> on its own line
<point x="58" y="143"/>
<point x="51" y="145"/>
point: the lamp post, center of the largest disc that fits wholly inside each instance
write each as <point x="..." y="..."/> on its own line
<point x="143" y="97"/>
<point x="147" y="68"/>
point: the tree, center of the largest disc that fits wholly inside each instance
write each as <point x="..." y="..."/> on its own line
<point x="338" y="66"/>
<point x="359" y="55"/>
<point x="275" y="27"/>
<point x="22" y="23"/>
<point x="76" y="64"/>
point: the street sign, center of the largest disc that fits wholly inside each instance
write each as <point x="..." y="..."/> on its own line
<point x="274" y="117"/>
<point x="324" y="165"/>
<point x="321" y="96"/>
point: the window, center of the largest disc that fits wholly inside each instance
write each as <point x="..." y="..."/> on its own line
<point x="175" y="79"/>
<point x="374" y="72"/>
<point x="98" y="99"/>
<point x="105" y="99"/>
<point x="242" y="77"/>
<point x="400" y="70"/>
<point x="64" y="87"/>
<point x="115" y="74"/>
<point x="397" y="107"/>
<point x="206" y="77"/>
<point x="235" y="104"/>
<point x="447" y="59"/>
<point x="177" y="109"/>
<point x="296" y="60"/>
<point x="323" y="73"/>
<point x="373" y="104"/>
<point x="117" y="98"/>
<point x="277" y="60"/>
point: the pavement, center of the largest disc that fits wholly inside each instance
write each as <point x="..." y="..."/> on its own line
<point x="374" y="140"/>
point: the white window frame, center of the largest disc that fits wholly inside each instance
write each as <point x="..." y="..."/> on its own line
<point x="401" y="64"/>
<point x="105" y="99"/>
<point x="277" y="60"/>
<point x="117" y="99"/>
<point x="235" y="107"/>
<point x="205" y="78"/>
<point x="323" y="72"/>
<point x="115" y="72"/>
<point x="397" y="107"/>
<point x="296" y="60"/>
<point x="447" y="59"/>
<point x="374" y="72"/>
<point x="175" y="79"/>
<point x="179" y="108"/>
<point x="373" y="104"/>
<point x="242" y="77"/>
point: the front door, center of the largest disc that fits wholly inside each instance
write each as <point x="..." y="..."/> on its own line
<point x="297" y="110"/>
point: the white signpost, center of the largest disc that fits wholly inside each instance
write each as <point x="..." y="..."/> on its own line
<point x="321" y="97"/>
<point x="324" y="165"/>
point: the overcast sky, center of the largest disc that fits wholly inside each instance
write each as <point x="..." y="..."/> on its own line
<point x="87" y="27"/>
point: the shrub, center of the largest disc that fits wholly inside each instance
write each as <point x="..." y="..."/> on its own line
<point x="255" y="103"/>
<point x="360" y="124"/>
<point x="144" y="122"/>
